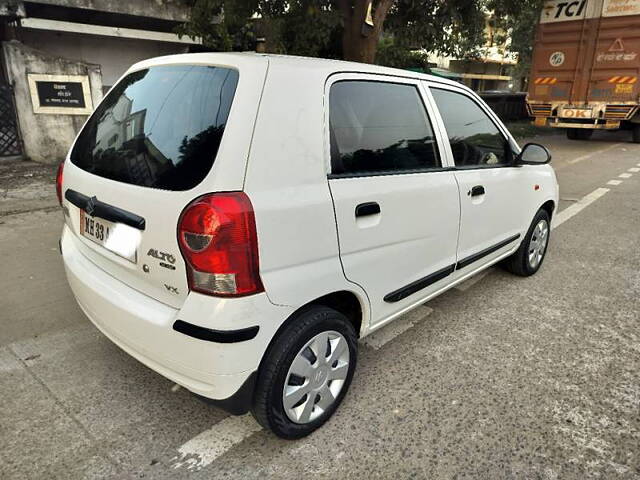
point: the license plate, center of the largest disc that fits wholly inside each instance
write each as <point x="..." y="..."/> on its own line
<point x="576" y="113"/>
<point x="115" y="237"/>
<point x="622" y="88"/>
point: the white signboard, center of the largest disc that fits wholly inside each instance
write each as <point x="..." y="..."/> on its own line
<point x="618" y="8"/>
<point x="565" y="10"/>
<point x="571" y="10"/>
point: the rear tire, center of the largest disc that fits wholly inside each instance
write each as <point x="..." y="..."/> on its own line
<point x="528" y="259"/>
<point x="309" y="366"/>
<point x="579" y="133"/>
<point x="635" y="132"/>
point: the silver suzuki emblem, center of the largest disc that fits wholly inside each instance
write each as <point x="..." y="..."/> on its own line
<point x="90" y="207"/>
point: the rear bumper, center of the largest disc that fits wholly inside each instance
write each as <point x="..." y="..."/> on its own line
<point x="600" y="115"/>
<point x="608" y="125"/>
<point x="555" y="122"/>
<point x="144" y="328"/>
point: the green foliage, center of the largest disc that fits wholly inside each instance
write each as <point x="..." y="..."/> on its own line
<point x="518" y="19"/>
<point x="221" y="24"/>
<point x="452" y="27"/>
<point x="303" y="27"/>
<point x="314" y="27"/>
<point x="390" y="54"/>
<point x="309" y="29"/>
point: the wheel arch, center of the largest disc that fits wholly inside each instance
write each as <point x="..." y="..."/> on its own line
<point x="344" y="301"/>
<point x="549" y="206"/>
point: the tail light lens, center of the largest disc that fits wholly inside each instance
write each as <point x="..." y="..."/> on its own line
<point x="218" y="240"/>
<point x="59" y="182"/>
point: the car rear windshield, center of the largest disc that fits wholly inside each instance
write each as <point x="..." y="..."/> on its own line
<point x="160" y="127"/>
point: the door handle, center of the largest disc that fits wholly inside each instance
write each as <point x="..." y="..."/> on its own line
<point x="476" y="191"/>
<point x="369" y="208"/>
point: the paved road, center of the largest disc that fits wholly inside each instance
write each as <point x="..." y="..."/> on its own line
<point x="500" y="378"/>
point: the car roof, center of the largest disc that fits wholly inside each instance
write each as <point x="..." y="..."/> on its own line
<point x="322" y="65"/>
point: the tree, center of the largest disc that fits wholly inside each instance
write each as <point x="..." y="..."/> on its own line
<point x="518" y="19"/>
<point x="221" y="24"/>
<point x="311" y="27"/>
<point x="451" y="27"/>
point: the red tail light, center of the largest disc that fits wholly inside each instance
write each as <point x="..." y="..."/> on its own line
<point x="59" y="182"/>
<point x="218" y="240"/>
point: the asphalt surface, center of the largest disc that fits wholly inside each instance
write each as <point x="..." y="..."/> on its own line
<point x="501" y="378"/>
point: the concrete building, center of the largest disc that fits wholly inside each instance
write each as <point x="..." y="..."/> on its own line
<point x="490" y="71"/>
<point x="59" y="57"/>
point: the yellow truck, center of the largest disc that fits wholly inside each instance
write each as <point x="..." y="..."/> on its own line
<point x="586" y="67"/>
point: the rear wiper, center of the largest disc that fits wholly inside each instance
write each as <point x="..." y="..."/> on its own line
<point x="96" y="208"/>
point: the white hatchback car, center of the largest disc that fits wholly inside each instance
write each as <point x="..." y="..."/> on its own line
<point x="237" y="221"/>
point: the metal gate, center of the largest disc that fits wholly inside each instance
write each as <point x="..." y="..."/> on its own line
<point x="10" y="144"/>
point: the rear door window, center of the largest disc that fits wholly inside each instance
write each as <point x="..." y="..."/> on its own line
<point x="379" y="128"/>
<point x="159" y="127"/>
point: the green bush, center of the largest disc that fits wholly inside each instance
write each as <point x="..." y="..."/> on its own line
<point x="391" y="54"/>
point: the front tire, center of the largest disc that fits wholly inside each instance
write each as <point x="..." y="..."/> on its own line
<point x="306" y="373"/>
<point x="528" y="259"/>
<point x="635" y="132"/>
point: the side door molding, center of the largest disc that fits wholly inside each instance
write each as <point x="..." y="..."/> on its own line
<point x="465" y="262"/>
<point x="418" y="285"/>
<point x="424" y="282"/>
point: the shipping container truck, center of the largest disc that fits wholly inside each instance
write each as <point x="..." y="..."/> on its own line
<point x="586" y="67"/>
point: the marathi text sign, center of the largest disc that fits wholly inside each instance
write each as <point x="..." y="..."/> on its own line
<point x="60" y="94"/>
<point x="618" y="8"/>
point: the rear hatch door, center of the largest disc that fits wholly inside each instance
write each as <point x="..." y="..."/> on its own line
<point x="168" y="132"/>
<point x="562" y="50"/>
<point x="615" y="70"/>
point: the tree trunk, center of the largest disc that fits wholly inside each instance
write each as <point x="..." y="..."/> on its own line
<point x="359" y="48"/>
<point x="358" y="44"/>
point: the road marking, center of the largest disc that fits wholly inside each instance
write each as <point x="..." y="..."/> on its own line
<point x="576" y="208"/>
<point x="634" y="170"/>
<point x="381" y="337"/>
<point x="204" y="448"/>
<point x="614" y="182"/>
<point x="625" y="175"/>
<point x="593" y="154"/>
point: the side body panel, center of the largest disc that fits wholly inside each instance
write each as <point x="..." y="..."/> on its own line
<point x="414" y="235"/>
<point x="502" y="215"/>
<point x="286" y="180"/>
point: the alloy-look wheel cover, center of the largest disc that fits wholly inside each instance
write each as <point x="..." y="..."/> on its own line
<point x="538" y="244"/>
<point x="316" y="377"/>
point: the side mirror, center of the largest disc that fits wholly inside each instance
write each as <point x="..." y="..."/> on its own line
<point x="533" y="154"/>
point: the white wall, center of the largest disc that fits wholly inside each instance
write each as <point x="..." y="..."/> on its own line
<point x="46" y="137"/>
<point x="114" y="55"/>
<point x="165" y="9"/>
